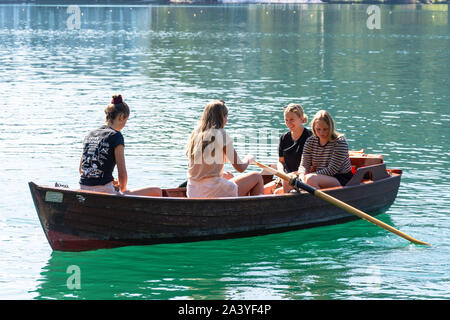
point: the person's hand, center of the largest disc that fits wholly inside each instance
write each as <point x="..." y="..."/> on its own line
<point x="116" y="184"/>
<point x="249" y="158"/>
<point x="292" y="174"/>
<point x="301" y="177"/>
<point x="227" y="175"/>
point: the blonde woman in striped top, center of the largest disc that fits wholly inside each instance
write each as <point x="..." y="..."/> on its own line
<point x="325" y="161"/>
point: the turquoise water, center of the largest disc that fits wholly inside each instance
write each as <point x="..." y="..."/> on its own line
<point x="387" y="88"/>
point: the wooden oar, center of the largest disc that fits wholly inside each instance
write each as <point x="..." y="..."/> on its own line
<point x="300" y="185"/>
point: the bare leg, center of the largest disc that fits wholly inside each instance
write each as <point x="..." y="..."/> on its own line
<point x="249" y="183"/>
<point x="271" y="188"/>
<point x="147" y="191"/>
<point x="320" y="181"/>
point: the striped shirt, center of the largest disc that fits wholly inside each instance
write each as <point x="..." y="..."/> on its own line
<point x="329" y="159"/>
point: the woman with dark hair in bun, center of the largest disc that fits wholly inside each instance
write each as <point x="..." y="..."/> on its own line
<point x="103" y="149"/>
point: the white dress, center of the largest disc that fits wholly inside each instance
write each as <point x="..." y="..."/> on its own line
<point x="205" y="171"/>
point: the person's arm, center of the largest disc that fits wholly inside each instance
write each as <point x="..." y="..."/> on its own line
<point x="79" y="168"/>
<point x="280" y="164"/>
<point x="232" y="156"/>
<point x="306" y="162"/>
<point x="281" y="161"/>
<point x="119" y="153"/>
<point x="227" y="175"/>
<point x="236" y="162"/>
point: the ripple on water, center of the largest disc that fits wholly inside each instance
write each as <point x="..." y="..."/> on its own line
<point x="388" y="92"/>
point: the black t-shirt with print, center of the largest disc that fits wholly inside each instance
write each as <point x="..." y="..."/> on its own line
<point x="98" y="160"/>
<point x="292" y="150"/>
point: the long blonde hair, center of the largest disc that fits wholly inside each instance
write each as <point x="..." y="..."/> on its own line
<point x="323" y="115"/>
<point x="213" y="117"/>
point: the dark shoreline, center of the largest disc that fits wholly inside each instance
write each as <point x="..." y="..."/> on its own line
<point x="175" y="2"/>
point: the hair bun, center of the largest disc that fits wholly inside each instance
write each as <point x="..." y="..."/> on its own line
<point x="116" y="99"/>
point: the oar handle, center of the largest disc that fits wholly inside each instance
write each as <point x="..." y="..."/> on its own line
<point x="300" y="185"/>
<point x="273" y="171"/>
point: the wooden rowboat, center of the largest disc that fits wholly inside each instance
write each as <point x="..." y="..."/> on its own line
<point x="75" y="220"/>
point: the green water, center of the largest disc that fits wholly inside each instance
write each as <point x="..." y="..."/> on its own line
<point x="387" y="88"/>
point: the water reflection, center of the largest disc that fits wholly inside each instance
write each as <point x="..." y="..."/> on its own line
<point x="387" y="90"/>
<point x="291" y="265"/>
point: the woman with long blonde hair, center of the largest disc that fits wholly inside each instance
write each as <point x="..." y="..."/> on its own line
<point x="325" y="160"/>
<point x="208" y="148"/>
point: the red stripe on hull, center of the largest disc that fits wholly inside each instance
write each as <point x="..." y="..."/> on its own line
<point x="66" y="242"/>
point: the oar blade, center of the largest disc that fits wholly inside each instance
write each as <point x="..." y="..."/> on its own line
<point x="300" y="185"/>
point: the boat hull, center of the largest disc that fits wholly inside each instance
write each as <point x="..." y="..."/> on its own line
<point x="75" y="220"/>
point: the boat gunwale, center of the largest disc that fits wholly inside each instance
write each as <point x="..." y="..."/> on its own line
<point x="392" y="175"/>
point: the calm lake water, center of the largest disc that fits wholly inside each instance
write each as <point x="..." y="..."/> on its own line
<point x="387" y="88"/>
